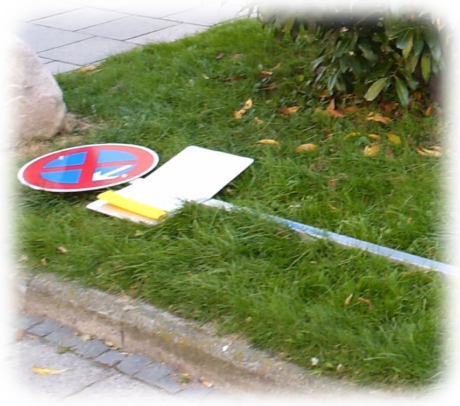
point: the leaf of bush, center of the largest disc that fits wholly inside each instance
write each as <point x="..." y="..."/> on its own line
<point x="401" y="90"/>
<point x="375" y="89"/>
<point x="426" y="67"/>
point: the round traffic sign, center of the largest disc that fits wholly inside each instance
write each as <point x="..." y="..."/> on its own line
<point x="88" y="167"/>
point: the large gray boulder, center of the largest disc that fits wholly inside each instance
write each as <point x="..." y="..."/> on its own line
<point x="34" y="99"/>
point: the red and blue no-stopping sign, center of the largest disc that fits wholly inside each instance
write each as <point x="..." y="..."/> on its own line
<point x="88" y="167"/>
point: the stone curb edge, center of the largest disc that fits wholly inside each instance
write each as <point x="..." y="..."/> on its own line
<point x="141" y="328"/>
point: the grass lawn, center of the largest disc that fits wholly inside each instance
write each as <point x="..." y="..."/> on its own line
<point x="242" y="271"/>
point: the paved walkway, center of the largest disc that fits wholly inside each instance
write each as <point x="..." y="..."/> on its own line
<point x="69" y="34"/>
<point x="86" y="369"/>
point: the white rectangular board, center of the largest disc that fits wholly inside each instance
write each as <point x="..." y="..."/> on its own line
<point x="195" y="174"/>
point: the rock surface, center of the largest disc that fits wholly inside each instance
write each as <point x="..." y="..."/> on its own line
<point x="34" y="98"/>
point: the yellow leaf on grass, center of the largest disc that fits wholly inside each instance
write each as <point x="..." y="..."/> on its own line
<point x="289" y="110"/>
<point x="63" y="250"/>
<point x="366" y="301"/>
<point x="268" y="142"/>
<point x="395" y="139"/>
<point x="374" y="136"/>
<point x="46" y="371"/>
<point x="428" y="152"/>
<point x="248" y="104"/>
<point x="372" y="149"/>
<point x="86" y="69"/>
<point x="258" y="120"/>
<point x="348" y="299"/>
<point x="349" y="135"/>
<point x="336" y="113"/>
<point x="351" y="109"/>
<point x="238" y="114"/>
<point x="264" y="74"/>
<point x="379" y="118"/>
<point x="306" y="148"/>
<point x="332" y="111"/>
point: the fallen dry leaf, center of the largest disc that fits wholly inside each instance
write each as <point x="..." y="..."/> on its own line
<point x="306" y="148"/>
<point x="46" y="371"/>
<point x="63" y="250"/>
<point x="238" y="114"/>
<point x="351" y="109"/>
<point x="336" y="113"/>
<point x="20" y="334"/>
<point x="236" y="56"/>
<point x="428" y="111"/>
<point x="332" y="111"/>
<point x="366" y="301"/>
<point x="348" y="299"/>
<point x="43" y="261"/>
<point x="263" y="74"/>
<point x="220" y="54"/>
<point x="277" y="66"/>
<point x="86" y="69"/>
<point x="388" y="107"/>
<point x="270" y="86"/>
<point x="248" y="104"/>
<point x="234" y="78"/>
<point x="379" y="118"/>
<point x="268" y="142"/>
<point x="395" y="139"/>
<point x="207" y="384"/>
<point x="332" y="183"/>
<point x="289" y="110"/>
<point x="350" y="135"/>
<point x="390" y="153"/>
<point x="371" y="150"/>
<point x="374" y="136"/>
<point x="258" y="120"/>
<point x="428" y="152"/>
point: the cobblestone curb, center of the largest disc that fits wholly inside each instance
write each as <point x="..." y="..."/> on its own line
<point x="145" y="330"/>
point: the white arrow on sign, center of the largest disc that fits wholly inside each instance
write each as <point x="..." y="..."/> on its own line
<point x="98" y="176"/>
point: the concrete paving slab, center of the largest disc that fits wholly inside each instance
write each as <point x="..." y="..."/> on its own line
<point x="87" y="51"/>
<point x="60" y="67"/>
<point x="109" y="4"/>
<point x="47" y="8"/>
<point x="162" y="9"/>
<point x="41" y="39"/>
<point x="127" y="27"/>
<point x="208" y="15"/>
<point x="79" y="19"/>
<point x="122" y="389"/>
<point x="169" y="34"/>
<point x="78" y="373"/>
<point x="6" y="334"/>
